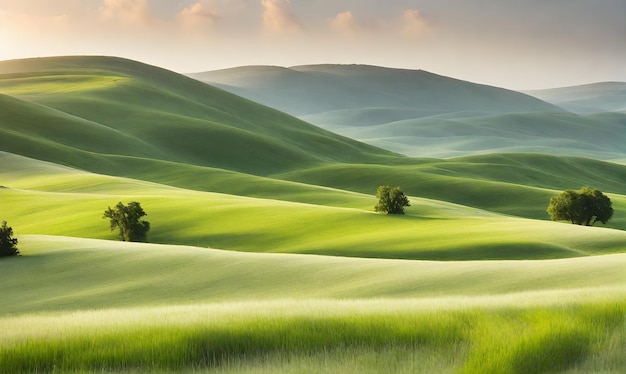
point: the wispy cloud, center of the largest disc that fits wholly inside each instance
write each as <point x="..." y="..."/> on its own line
<point x="127" y="12"/>
<point x="278" y="16"/>
<point x="344" y="22"/>
<point x="199" y="15"/>
<point x="34" y="23"/>
<point x="414" y="23"/>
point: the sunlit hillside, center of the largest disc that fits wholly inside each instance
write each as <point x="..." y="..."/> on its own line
<point x="154" y="113"/>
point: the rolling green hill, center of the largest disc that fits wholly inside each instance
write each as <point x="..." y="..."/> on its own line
<point x="598" y="136"/>
<point x="424" y="115"/>
<point x="157" y="114"/>
<point x="589" y="98"/>
<point x="119" y="117"/>
<point x="153" y="308"/>
<point x="42" y="198"/>
<point x="200" y="276"/>
<point x="513" y="184"/>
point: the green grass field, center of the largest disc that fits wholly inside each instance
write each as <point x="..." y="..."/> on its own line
<point x="265" y="254"/>
<point x="71" y="203"/>
<point x="145" y="307"/>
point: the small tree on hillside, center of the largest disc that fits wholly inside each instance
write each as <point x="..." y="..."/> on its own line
<point x="582" y="207"/>
<point x="8" y="244"/>
<point x="127" y="218"/>
<point x="391" y="200"/>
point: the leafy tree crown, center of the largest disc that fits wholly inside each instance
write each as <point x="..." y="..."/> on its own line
<point x="582" y="207"/>
<point x="8" y="244"/>
<point x="391" y="200"/>
<point x="127" y="219"/>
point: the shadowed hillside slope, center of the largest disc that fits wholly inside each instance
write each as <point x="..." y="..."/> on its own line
<point x="134" y="109"/>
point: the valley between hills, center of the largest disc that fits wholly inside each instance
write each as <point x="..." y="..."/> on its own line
<point x="265" y="253"/>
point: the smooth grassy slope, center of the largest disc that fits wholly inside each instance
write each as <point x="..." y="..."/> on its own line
<point x="512" y="184"/>
<point x="44" y="133"/>
<point x="41" y="198"/>
<point x="263" y="312"/>
<point x="589" y="98"/>
<point x="135" y="274"/>
<point x="168" y="116"/>
<point x="593" y="136"/>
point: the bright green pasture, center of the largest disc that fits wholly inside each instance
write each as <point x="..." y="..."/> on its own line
<point x="516" y="184"/>
<point x="90" y="305"/>
<point x="322" y="336"/>
<point x="52" y="200"/>
<point x="62" y="273"/>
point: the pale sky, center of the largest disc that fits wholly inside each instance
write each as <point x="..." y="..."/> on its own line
<point x="518" y="44"/>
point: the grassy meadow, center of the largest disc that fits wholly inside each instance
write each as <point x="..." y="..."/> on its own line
<point x="265" y="254"/>
<point x="147" y="307"/>
<point x="321" y="336"/>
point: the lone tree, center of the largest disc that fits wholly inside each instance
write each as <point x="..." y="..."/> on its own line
<point x="391" y="201"/>
<point x="126" y="218"/>
<point x="8" y="244"/>
<point x="582" y="207"/>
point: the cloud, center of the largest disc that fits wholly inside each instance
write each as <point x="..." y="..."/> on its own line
<point x="127" y="12"/>
<point x="199" y="14"/>
<point x="33" y="23"/>
<point x="414" y="23"/>
<point x="344" y="22"/>
<point x="278" y="16"/>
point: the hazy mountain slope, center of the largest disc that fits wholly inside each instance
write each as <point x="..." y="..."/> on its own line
<point x="425" y="115"/>
<point x="304" y="90"/>
<point x="141" y="110"/>
<point x="589" y="98"/>
<point x="600" y="136"/>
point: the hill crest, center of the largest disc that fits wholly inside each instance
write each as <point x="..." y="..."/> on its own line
<point x="309" y="89"/>
<point x="168" y="116"/>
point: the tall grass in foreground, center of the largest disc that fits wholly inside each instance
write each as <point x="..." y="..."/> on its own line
<point x="579" y="338"/>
